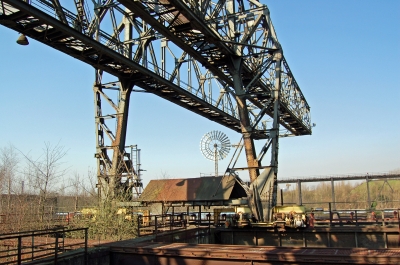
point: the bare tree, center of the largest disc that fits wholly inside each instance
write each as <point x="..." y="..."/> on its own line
<point x="90" y="187"/>
<point x="78" y="189"/>
<point x="8" y="169"/>
<point x="44" y="172"/>
<point x="166" y="193"/>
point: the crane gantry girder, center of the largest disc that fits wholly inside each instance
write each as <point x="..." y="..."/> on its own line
<point x="208" y="47"/>
<point x="230" y="49"/>
<point x="38" y="25"/>
<point x="196" y="28"/>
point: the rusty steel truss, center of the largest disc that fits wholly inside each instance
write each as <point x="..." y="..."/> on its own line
<point x="219" y="59"/>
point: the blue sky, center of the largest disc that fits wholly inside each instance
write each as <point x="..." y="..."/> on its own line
<point x="344" y="55"/>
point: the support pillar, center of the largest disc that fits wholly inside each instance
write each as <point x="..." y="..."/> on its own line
<point x="111" y="159"/>
<point x="300" y="201"/>
<point x="274" y="135"/>
<point x="333" y="193"/>
<point x="246" y="127"/>
<point x="368" y="194"/>
<point x="120" y="134"/>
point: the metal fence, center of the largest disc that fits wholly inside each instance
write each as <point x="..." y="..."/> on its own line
<point x="336" y="213"/>
<point x="154" y="224"/>
<point x="33" y="246"/>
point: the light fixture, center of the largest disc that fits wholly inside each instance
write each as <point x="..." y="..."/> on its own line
<point x="22" y="40"/>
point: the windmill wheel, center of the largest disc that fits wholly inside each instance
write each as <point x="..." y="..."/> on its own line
<point x="215" y="145"/>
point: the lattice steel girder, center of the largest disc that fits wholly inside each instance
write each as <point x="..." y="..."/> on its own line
<point x="26" y="19"/>
<point x="107" y="52"/>
<point x="196" y="27"/>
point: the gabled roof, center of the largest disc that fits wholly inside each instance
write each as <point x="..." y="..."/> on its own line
<point x="221" y="188"/>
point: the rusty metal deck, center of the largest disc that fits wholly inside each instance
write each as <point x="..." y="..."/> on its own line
<point x="179" y="253"/>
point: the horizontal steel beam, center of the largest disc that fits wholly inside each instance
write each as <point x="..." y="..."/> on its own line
<point x="341" y="178"/>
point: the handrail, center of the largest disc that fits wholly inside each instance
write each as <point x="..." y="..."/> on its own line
<point x="38" y="244"/>
<point x="154" y="224"/>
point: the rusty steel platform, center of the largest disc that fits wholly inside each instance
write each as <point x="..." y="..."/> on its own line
<point x="124" y="252"/>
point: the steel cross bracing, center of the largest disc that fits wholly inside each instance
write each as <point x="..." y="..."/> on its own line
<point x="219" y="59"/>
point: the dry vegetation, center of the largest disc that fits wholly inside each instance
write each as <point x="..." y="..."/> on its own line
<point x="40" y="193"/>
<point x="384" y="194"/>
<point x="36" y="193"/>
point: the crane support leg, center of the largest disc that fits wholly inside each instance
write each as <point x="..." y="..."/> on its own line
<point x="246" y="127"/>
<point x="118" y="144"/>
<point x="263" y="188"/>
<point x="275" y="130"/>
<point x="111" y="163"/>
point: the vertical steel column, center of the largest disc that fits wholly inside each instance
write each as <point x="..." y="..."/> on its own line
<point x="56" y="248"/>
<point x="300" y="201"/>
<point x="275" y="126"/>
<point x="137" y="183"/>
<point x="246" y="127"/>
<point x="155" y="225"/>
<point x="120" y="134"/>
<point x="128" y="34"/>
<point x="101" y="152"/>
<point x="102" y="182"/>
<point x="187" y="215"/>
<point x="216" y="159"/>
<point x="199" y="221"/>
<point x="333" y="193"/>
<point x="163" y="57"/>
<point x="86" y="246"/>
<point x="32" y="245"/>
<point x="118" y="144"/>
<point x="110" y="167"/>
<point x="139" y="224"/>
<point x="189" y="73"/>
<point x="19" y="251"/>
<point x="368" y="194"/>
<point x="109" y="170"/>
<point x="231" y="20"/>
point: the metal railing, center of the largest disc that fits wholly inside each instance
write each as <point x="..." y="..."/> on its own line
<point x="358" y="217"/>
<point x="154" y="224"/>
<point x="33" y="246"/>
<point x="344" y="213"/>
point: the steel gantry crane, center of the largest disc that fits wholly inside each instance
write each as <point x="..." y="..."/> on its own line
<point x="220" y="59"/>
